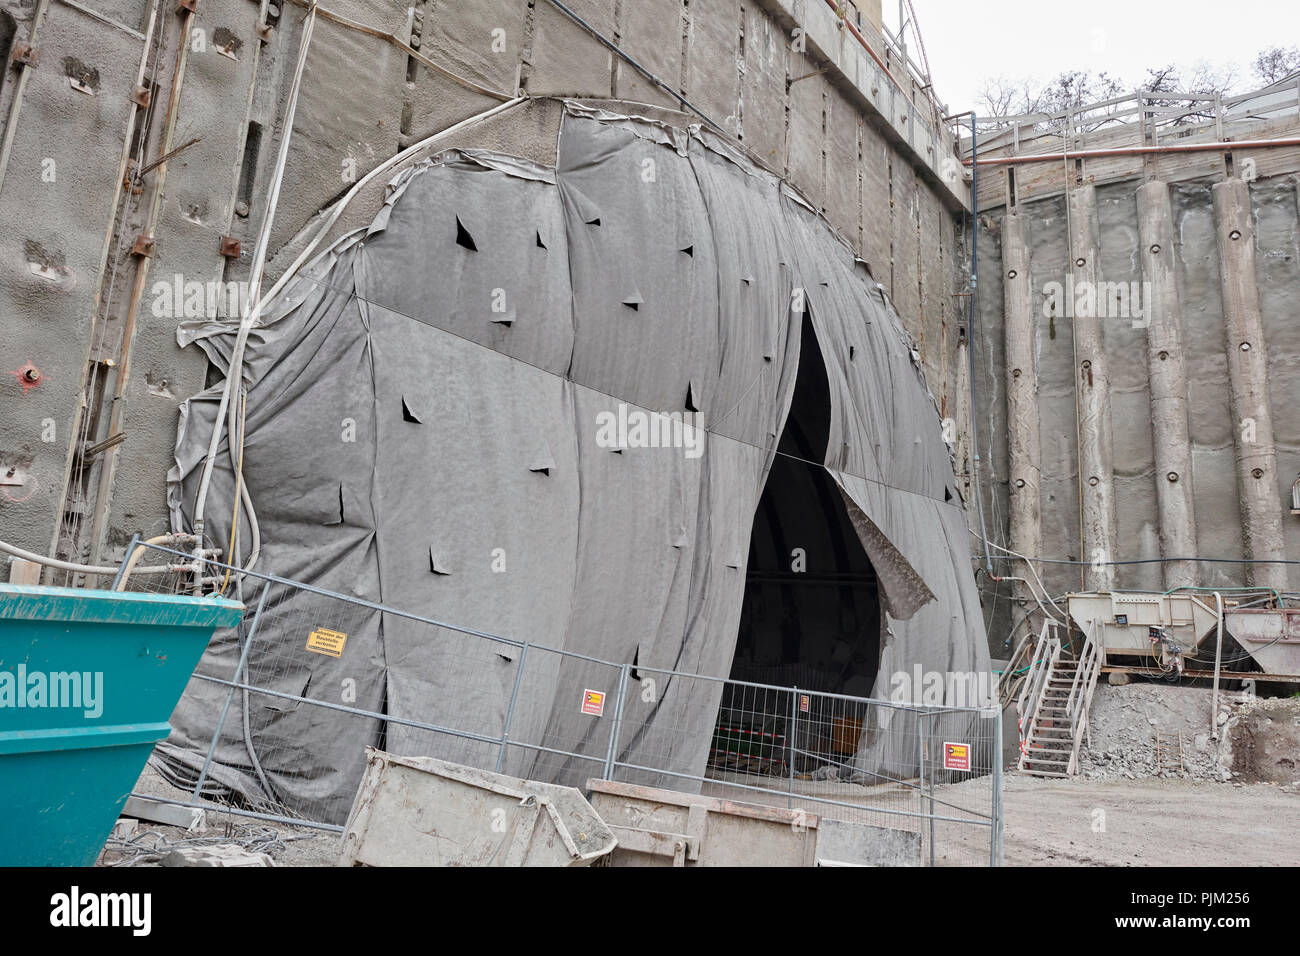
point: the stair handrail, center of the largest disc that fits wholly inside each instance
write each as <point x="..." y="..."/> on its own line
<point x="1079" y="669"/>
<point x="1078" y="704"/>
<point x="1045" y="658"/>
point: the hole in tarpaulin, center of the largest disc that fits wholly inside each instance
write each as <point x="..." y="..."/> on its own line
<point x="540" y="244"/>
<point x="437" y="564"/>
<point x="689" y="250"/>
<point x="408" y="415"/>
<point x="810" y="615"/>
<point x="463" y="238"/>
<point x="340" y="519"/>
<point x="542" y="461"/>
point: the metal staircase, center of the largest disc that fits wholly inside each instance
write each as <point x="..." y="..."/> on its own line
<point x="1054" y="704"/>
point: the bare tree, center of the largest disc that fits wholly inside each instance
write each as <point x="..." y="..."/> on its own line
<point x="1000" y="97"/>
<point x="1276" y="63"/>
<point x="1207" y="79"/>
<point x="1076" y="89"/>
<point x="1071" y="91"/>
<point x="1202" y="79"/>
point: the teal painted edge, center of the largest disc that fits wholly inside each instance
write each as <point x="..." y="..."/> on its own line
<point x="82" y="605"/>
<point x="80" y="738"/>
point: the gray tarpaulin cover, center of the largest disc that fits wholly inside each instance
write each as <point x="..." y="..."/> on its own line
<point x="422" y="431"/>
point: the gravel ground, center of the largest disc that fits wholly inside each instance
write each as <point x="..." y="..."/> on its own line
<point x="1151" y="822"/>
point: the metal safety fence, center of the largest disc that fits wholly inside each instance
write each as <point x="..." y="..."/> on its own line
<point x="277" y="716"/>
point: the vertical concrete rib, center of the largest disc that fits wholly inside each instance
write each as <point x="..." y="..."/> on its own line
<point x="1163" y="313"/>
<point x="1257" y="483"/>
<point x="1023" y="448"/>
<point x="1092" y="395"/>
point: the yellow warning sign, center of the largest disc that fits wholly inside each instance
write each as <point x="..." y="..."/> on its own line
<point x="324" y="641"/>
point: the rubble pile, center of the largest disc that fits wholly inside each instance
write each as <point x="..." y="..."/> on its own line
<point x="1124" y="723"/>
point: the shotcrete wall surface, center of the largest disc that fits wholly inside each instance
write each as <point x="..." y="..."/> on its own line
<point x="1206" y="351"/>
<point x="427" y="424"/>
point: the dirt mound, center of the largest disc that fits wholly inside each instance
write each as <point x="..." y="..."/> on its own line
<point x="1266" y="740"/>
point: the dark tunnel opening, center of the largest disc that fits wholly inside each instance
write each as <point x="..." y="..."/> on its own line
<point x="811" y="612"/>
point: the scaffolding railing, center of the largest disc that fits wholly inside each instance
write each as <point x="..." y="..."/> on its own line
<point x="1155" y="115"/>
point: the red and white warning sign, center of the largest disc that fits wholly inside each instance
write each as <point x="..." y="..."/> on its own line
<point x="593" y="702"/>
<point x="956" y="756"/>
<point x="804" y="703"/>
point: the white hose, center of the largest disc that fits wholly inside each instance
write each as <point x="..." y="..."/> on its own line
<point x="136" y="553"/>
<point x="234" y="425"/>
<point x="252" y="313"/>
<point x="18" y="552"/>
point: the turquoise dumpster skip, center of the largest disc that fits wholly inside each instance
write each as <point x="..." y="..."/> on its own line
<point x="88" y="680"/>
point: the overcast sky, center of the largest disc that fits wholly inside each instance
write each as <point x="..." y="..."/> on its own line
<point x="1019" y="38"/>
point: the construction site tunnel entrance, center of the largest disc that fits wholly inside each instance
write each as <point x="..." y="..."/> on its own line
<point x="811" y="612"/>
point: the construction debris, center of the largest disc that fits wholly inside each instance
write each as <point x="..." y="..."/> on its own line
<point x="225" y="854"/>
<point x="1136" y="728"/>
<point x="152" y="811"/>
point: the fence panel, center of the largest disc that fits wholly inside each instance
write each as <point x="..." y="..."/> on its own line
<point x="279" y="711"/>
<point x="932" y="771"/>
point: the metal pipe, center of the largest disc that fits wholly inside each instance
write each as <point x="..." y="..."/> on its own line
<point x="620" y="702"/>
<point x="1133" y="151"/>
<point x="1218" y="657"/>
<point x="510" y="710"/>
<point x="920" y="769"/>
<point x="230" y="694"/>
<point x="794" y="717"/>
<point x="929" y="733"/>
<point x="970" y="333"/>
<point x="996" y="836"/>
<point x="130" y="549"/>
